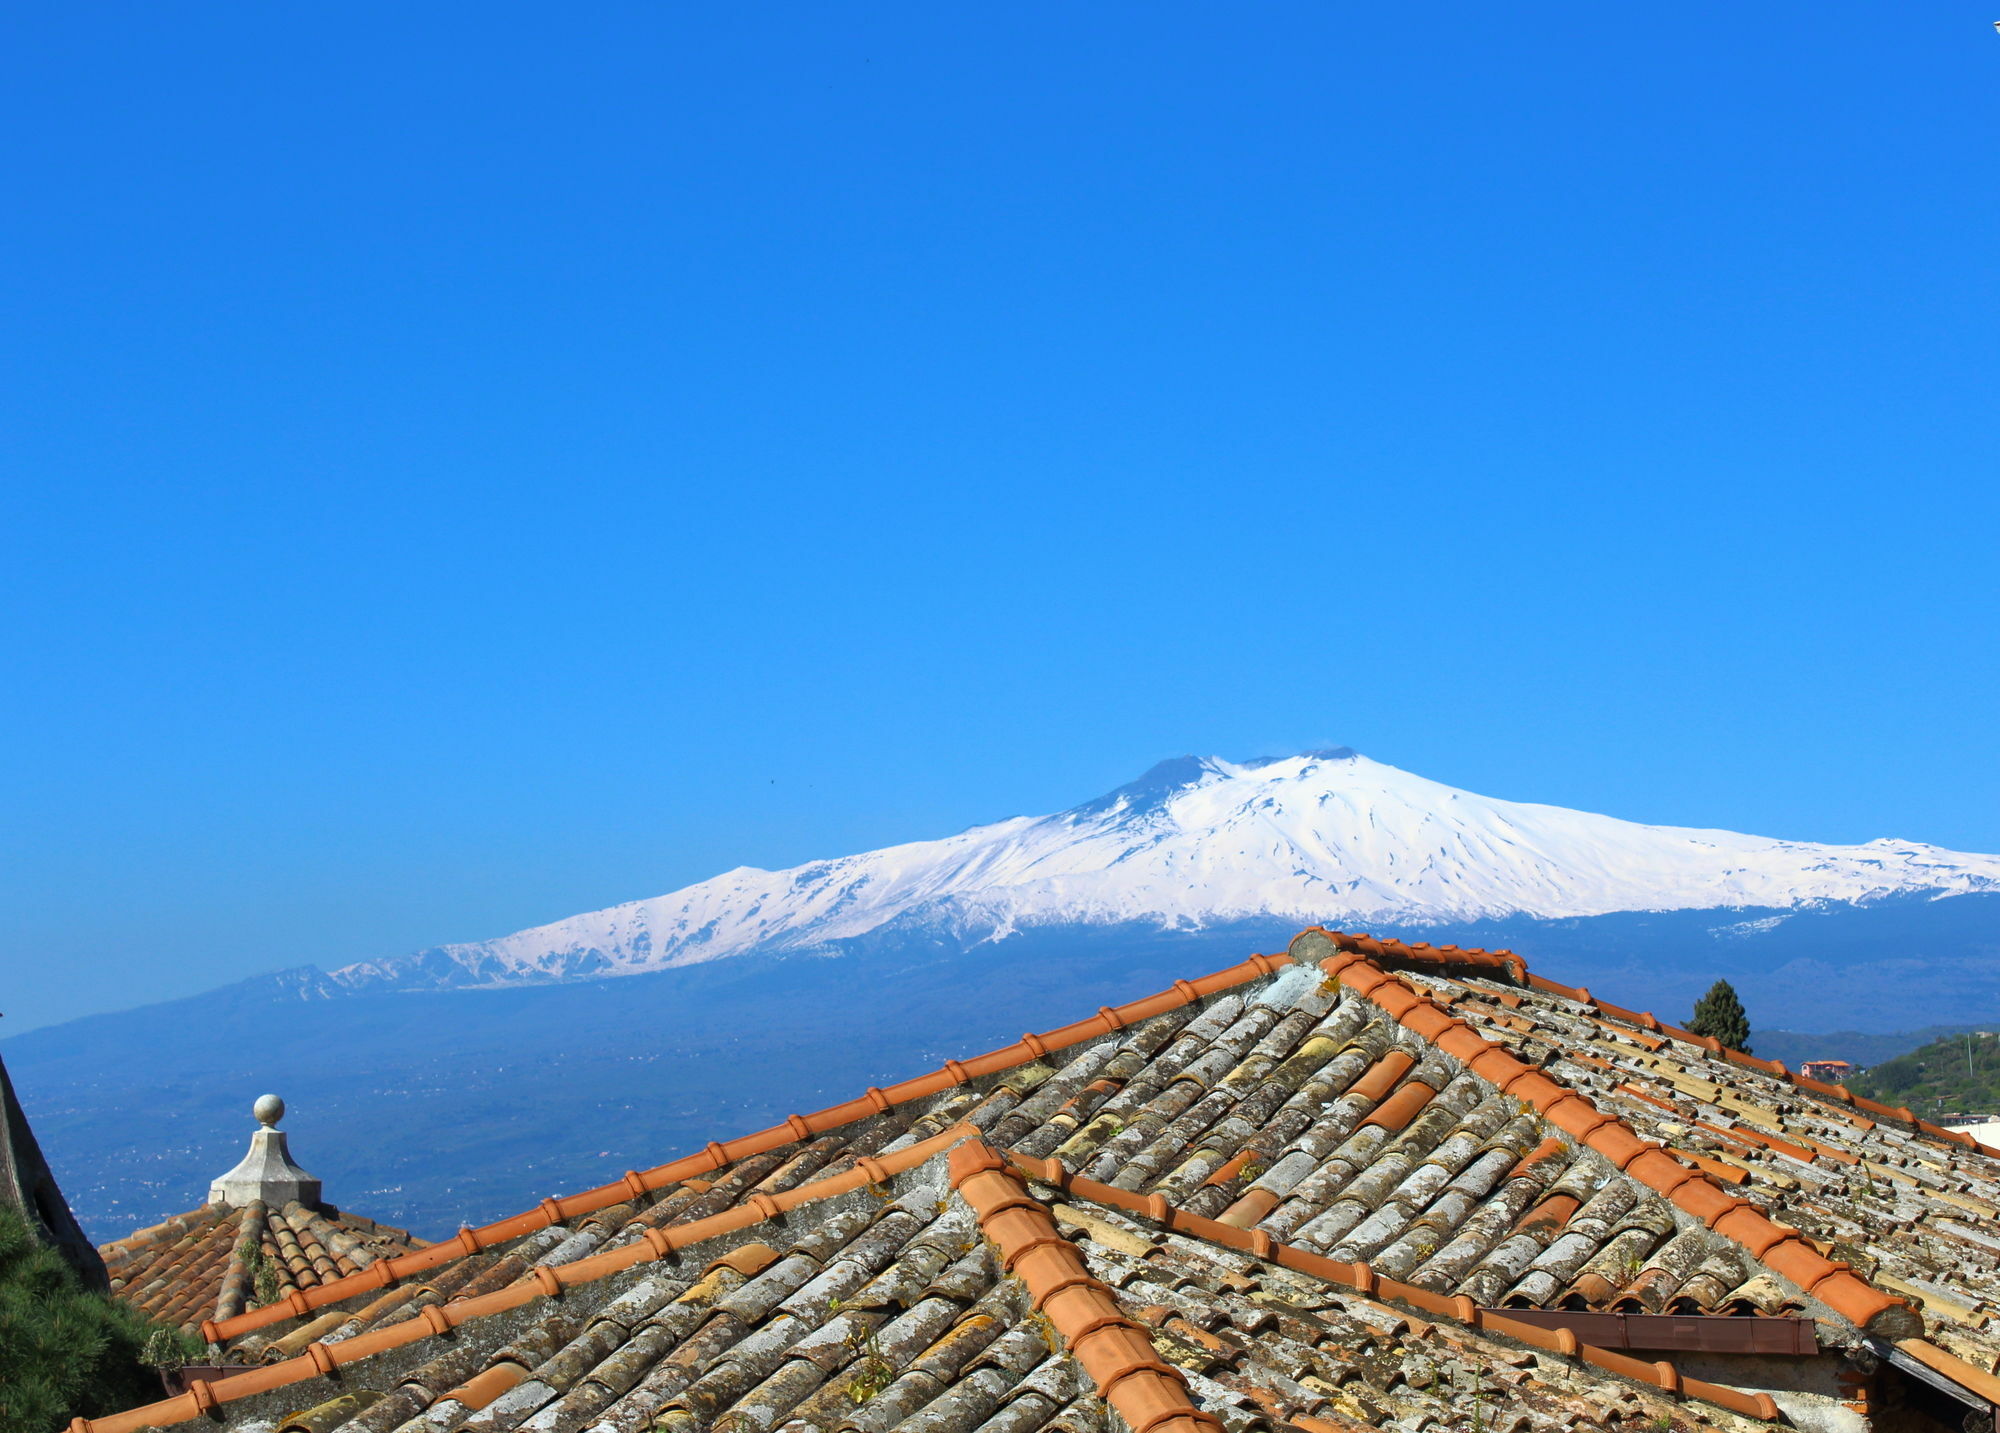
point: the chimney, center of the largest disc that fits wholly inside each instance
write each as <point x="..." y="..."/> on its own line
<point x="267" y="1172"/>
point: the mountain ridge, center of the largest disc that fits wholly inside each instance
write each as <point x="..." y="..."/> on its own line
<point x="1325" y="836"/>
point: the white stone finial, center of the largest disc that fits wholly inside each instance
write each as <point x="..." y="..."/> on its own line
<point x="267" y="1172"/>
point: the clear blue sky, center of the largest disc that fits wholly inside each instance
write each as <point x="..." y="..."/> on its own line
<point x="468" y="464"/>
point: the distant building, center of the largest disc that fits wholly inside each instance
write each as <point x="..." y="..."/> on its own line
<point x="1827" y="1072"/>
<point x="263" y="1235"/>
<point x="1984" y="1128"/>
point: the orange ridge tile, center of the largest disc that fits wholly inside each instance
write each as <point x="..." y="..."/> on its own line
<point x="1714" y="1167"/>
<point x="1826" y="1151"/>
<point x="1492" y="963"/>
<point x="476" y="1392"/>
<point x="1964" y="1374"/>
<point x="1741" y="1134"/>
<point x="1783" y="1250"/>
<point x="1359" y="1277"/>
<point x="1149" y="1393"/>
<point x="1638" y="1037"/>
<point x="1628" y="1088"/>
<point x="385" y="1272"/>
<point x="1737" y="1137"/>
<point x="1485" y="962"/>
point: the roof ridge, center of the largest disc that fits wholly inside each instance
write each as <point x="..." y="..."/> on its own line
<point x="1361" y="1278"/>
<point x="1385" y="952"/>
<point x="238" y="1284"/>
<point x="1777" y="1247"/>
<point x="322" y="1359"/>
<point x="1145" y="1390"/>
<point x="718" y="1155"/>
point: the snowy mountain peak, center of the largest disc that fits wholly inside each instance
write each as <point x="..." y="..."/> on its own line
<point x="1155" y="786"/>
<point x="1326" y="836"/>
<point x="1177" y="773"/>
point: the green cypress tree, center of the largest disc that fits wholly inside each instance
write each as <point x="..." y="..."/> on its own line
<point x="1721" y="1014"/>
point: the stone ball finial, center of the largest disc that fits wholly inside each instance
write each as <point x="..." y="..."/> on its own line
<point x="269" y="1109"/>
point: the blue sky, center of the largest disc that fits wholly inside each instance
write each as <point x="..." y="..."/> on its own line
<point x="468" y="464"/>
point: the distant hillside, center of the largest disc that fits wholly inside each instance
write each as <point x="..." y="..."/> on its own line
<point x="1859" y="1048"/>
<point x="1960" y="1073"/>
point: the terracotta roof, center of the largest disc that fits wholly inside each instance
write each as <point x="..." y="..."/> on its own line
<point x="1878" y="1206"/>
<point x="937" y="1291"/>
<point x="215" y="1262"/>
<point x="1389" y="1146"/>
<point x="722" y="1170"/>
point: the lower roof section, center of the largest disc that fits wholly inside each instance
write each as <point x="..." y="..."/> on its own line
<point x="214" y="1262"/>
<point x="941" y="1290"/>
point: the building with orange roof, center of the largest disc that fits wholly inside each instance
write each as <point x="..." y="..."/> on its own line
<point x="263" y="1234"/>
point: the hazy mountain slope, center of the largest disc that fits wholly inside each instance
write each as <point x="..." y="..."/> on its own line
<point x="1197" y="842"/>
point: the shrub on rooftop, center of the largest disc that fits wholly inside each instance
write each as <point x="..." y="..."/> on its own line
<point x="65" y="1349"/>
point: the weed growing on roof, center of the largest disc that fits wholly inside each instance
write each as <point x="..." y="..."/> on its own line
<point x="263" y="1278"/>
<point x="169" y="1349"/>
<point x="874" y="1374"/>
<point x="66" y="1351"/>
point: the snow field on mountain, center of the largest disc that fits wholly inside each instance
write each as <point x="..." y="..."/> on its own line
<point x="1331" y="837"/>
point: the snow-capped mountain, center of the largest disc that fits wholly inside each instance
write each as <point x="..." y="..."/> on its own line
<point x="1326" y="836"/>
